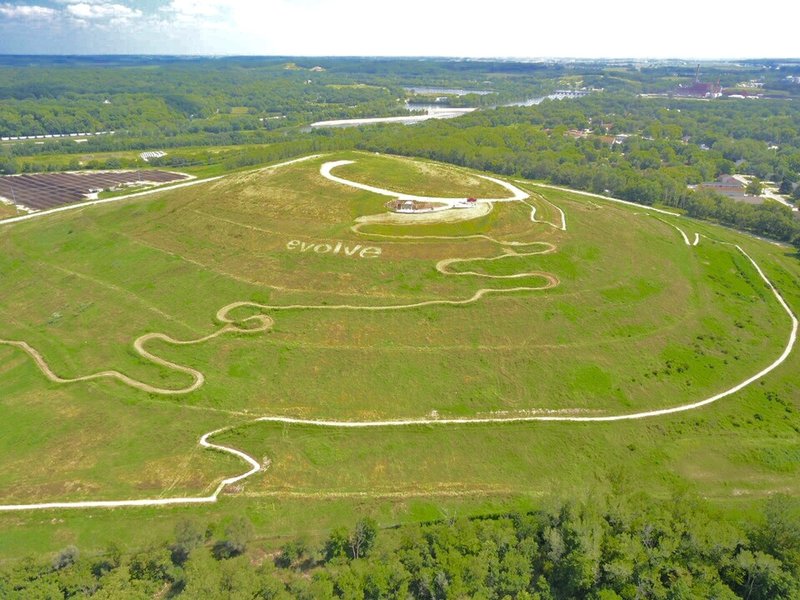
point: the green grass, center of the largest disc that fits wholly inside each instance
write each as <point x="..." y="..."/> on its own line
<point x="201" y="161"/>
<point x="419" y="177"/>
<point x="719" y="453"/>
<point x="7" y="211"/>
<point x="638" y="321"/>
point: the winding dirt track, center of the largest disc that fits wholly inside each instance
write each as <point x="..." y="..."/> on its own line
<point x="325" y="171"/>
<point x="681" y="231"/>
<point x="138" y="345"/>
<point x="607" y="198"/>
<point x="261" y="322"/>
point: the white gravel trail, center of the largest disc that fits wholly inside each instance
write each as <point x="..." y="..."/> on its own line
<point x="325" y="170"/>
<point x="681" y="231"/>
<point x="167" y="188"/>
<point x="265" y="321"/>
<point x="608" y="198"/>
<point x="255" y="466"/>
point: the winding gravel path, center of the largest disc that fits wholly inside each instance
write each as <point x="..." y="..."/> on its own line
<point x="261" y="322"/>
<point x="516" y="193"/>
<point x="255" y="467"/>
<point x="681" y="231"/>
<point x="608" y="198"/>
<point x="138" y="345"/>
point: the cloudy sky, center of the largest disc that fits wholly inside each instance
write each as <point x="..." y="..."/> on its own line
<point x="492" y="28"/>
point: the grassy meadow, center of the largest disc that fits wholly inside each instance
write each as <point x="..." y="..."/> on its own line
<point x="6" y="211"/>
<point x="638" y="321"/>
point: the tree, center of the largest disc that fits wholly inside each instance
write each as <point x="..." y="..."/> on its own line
<point x="762" y="578"/>
<point x="107" y="562"/>
<point x="336" y="544"/>
<point x="780" y="533"/>
<point x="786" y="186"/>
<point x="291" y="553"/>
<point x="66" y="558"/>
<point x="515" y="573"/>
<point x="363" y="537"/>
<point x="153" y="564"/>
<point x="7" y="166"/>
<point x="238" y="534"/>
<point x="754" y="187"/>
<point x="188" y="536"/>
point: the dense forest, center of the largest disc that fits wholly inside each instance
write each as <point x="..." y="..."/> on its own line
<point x="166" y="97"/>
<point x="622" y="548"/>
<point x="646" y="150"/>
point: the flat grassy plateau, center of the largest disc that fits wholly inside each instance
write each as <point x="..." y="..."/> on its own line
<point x="638" y="321"/>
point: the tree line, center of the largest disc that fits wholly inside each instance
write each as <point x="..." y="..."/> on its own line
<point x="169" y="96"/>
<point x="670" y="146"/>
<point x="172" y="97"/>
<point x="646" y="150"/>
<point x="619" y="548"/>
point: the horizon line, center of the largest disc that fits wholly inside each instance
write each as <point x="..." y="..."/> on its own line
<point x="411" y="56"/>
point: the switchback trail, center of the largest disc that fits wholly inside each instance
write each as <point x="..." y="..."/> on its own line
<point x="261" y="322"/>
<point x="255" y="466"/>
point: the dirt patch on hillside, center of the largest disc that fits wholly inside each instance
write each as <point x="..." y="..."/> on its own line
<point x="444" y="216"/>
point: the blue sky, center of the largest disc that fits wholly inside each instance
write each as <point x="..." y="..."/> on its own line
<point x="492" y="28"/>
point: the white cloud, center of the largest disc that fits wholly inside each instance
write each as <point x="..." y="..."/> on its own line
<point x="195" y="9"/>
<point x="101" y="11"/>
<point x="514" y="28"/>
<point x="22" y="11"/>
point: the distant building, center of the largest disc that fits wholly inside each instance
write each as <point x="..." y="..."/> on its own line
<point x="146" y="156"/>
<point x="730" y="187"/>
<point x="725" y="184"/>
<point x="742" y="93"/>
<point x="577" y="133"/>
<point x="408" y="205"/>
<point x="698" y="89"/>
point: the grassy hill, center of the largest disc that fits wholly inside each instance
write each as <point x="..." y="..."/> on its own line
<point x="636" y="320"/>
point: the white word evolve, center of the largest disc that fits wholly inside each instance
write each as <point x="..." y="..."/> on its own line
<point x="338" y="248"/>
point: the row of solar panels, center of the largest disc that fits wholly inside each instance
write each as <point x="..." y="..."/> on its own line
<point x="41" y="191"/>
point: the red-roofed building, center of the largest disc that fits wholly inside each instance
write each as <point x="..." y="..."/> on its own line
<point x="698" y="89"/>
